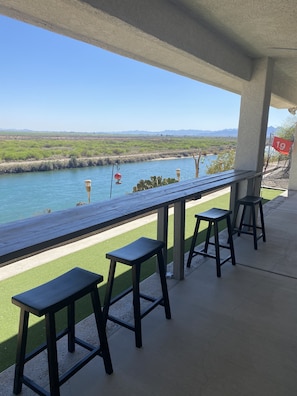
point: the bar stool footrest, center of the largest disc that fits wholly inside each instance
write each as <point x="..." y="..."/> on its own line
<point x="247" y="225"/>
<point x="238" y="231"/>
<point x="43" y="346"/>
<point x="213" y="256"/>
<point x="120" y="296"/>
<point x="70" y="372"/>
<point x="220" y="245"/>
<point x="82" y="362"/>
<point x="34" y="386"/>
<point x="147" y="310"/>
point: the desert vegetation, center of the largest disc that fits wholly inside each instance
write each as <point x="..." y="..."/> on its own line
<point x="52" y="151"/>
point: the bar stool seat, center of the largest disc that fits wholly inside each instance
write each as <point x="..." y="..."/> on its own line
<point x="213" y="216"/>
<point x="134" y="255"/>
<point x="46" y="300"/>
<point x="252" y="202"/>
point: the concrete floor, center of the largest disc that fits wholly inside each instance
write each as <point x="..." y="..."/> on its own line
<point x="233" y="336"/>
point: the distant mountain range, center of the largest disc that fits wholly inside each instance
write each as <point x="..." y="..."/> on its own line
<point x="181" y="132"/>
<point x="233" y="132"/>
<point x="184" y="132"/>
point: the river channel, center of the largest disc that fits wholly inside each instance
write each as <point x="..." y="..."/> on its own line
<point x="30" y="194"/>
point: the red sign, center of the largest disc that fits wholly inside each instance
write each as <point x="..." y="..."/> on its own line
<point x="283" y="146"/>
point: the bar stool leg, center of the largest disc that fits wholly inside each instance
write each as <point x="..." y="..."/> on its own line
<point x="217" y="248"/>
<point x="136" y="304"/>
<point x="162" y="273"/>
<point x="71" y="329"/>
<point x="193" y="243"/>
<point x="21" y="352"/>
<point x="241" y="220"/>
<point x="230" y="240"/>
<point x="52" y="354"/>
<point x="262" y="221"/>
<point x="109" y="287"/>
<point x="234" y="220"/>
<point x="100" y="324"/>
<point x="254" y="227"/>
<point x="207" y="237"/>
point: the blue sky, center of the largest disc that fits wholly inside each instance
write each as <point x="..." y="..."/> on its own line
<point x="53" y="83"/>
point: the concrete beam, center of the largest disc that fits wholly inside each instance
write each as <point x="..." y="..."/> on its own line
<point x="156" y="32"/>
<point x="151" y="31"/>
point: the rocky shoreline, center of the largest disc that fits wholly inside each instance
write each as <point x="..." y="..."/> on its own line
<point x="70" y="163"/>
<point x="276" y="177"/>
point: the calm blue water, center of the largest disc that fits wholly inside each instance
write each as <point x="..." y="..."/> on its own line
<point x="30" y="194"/>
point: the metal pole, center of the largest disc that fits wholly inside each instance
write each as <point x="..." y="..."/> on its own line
<point x="110" y="191"/>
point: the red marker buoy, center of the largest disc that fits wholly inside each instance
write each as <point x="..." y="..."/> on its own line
<point x="118" y="178"/>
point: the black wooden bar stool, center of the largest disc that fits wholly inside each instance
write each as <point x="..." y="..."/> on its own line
<point x="46" y="300"/>
<point x="251" y="202"/>
<point x="213" y="217"/>
<point x="134" y="255"/>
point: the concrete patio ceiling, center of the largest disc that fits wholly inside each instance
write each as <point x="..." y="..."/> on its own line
<point x="212" y="41"/>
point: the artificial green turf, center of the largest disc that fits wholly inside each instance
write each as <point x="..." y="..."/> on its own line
<point x="92" y="259"/>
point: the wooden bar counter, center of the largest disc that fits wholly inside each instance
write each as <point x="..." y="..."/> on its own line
<point x="30" y="236"/>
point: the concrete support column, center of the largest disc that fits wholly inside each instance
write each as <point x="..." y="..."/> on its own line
<point x="293" y="169"/>
<point x="254" y="110"/>
<point x="179" y="239"/>
<point x="162" y="232"/>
